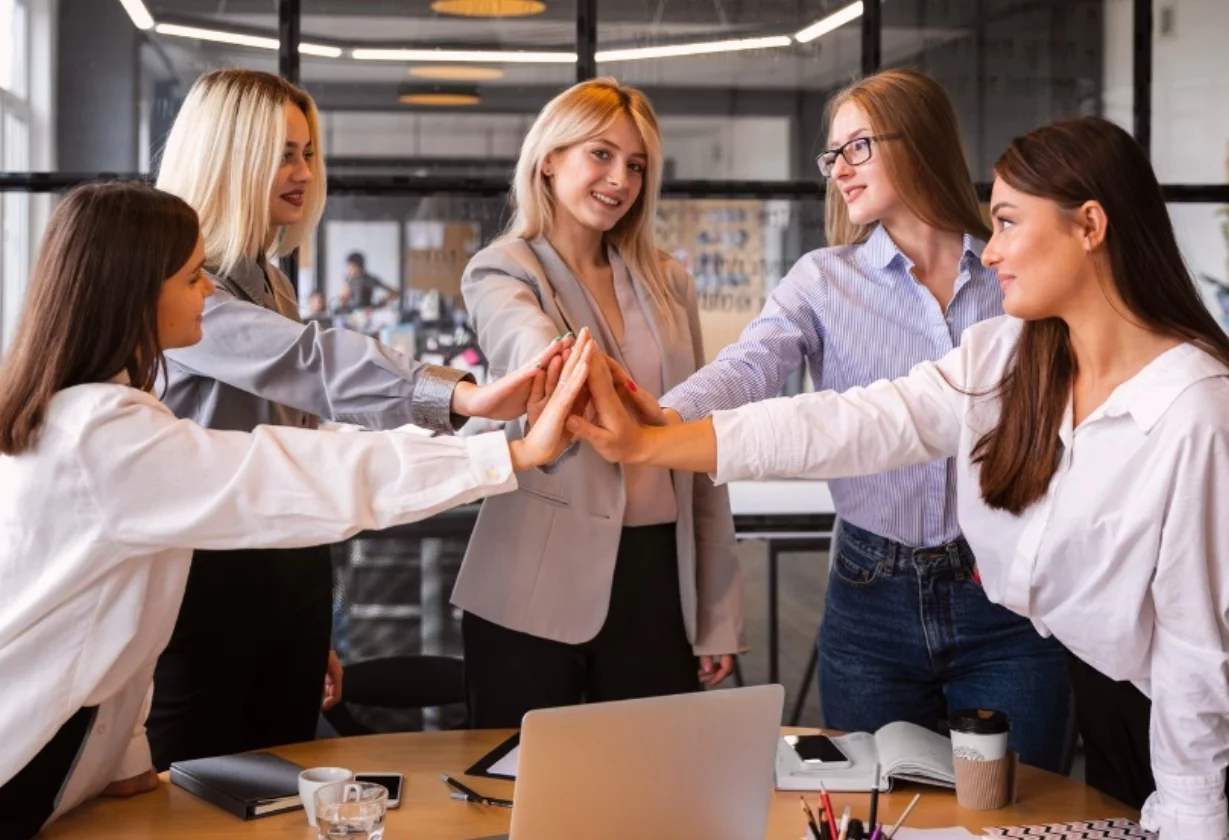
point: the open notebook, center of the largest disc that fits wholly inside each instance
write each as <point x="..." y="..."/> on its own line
<point x="904" y="751"/>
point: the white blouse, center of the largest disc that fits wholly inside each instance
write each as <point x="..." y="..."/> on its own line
<point x="97" y="526"/>
<point x="1126" y="558"/>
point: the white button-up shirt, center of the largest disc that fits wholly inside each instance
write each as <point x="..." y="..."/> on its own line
<point x="97" y="526"/>
<point x="1126" y="558"/>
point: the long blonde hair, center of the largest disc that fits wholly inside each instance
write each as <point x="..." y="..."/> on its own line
<point x="926" y="162"/>
<point x="579" y="113"/>
<point x="222" y="157"/>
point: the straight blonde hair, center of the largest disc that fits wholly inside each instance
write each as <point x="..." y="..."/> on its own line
<point x="579" y="113"/>
<point x="222" y="157"/>
<point x="926" y="162"/>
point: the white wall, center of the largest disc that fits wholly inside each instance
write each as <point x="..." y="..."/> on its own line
<point x="1190" y="111"/>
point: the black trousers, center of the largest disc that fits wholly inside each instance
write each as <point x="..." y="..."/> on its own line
<point x="641" y="650"/>
<point x="28" y="799"/>
<point x="245" y="666"/>
<point x="1113" y="719"/>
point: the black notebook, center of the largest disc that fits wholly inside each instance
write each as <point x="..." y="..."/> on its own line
<point x="249" y="785"/>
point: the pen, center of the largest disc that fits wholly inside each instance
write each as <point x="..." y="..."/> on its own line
<point x="822" y="818"/>
<point x="806" y="809"/>
<point x="874" y="799"/>
<point x="890" y="834"/>
<point x="471" y="795"/>
<point x="877" y="834"/>
<point x="831" y="815"/>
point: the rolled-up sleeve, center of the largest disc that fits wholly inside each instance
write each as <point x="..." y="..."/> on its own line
<point x="335" y="374"/>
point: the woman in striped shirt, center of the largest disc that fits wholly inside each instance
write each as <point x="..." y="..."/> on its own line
<point x="908" y="632"/>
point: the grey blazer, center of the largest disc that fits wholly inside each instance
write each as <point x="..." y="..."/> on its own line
<point x="541" y="559"/>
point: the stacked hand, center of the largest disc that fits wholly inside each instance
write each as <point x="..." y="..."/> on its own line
<point x="507" y="397"/>
<point x="559" y="390"/>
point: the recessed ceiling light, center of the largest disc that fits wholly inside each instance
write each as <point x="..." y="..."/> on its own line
<point x="489" y="8"/>
<point x="440" y="99"/>
<point x="457" y="73"/>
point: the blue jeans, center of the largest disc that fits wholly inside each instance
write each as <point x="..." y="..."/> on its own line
<point x="908" y="634"/>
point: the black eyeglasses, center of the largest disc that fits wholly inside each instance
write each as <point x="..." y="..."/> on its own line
<point x="856" y="152"/>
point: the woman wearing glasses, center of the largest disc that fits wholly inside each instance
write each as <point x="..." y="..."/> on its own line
<point x="907" y="632"/>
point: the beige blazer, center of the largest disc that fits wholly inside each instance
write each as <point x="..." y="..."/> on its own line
<point x="541" y="559"/>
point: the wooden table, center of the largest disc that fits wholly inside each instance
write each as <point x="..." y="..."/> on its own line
<point x="426" y="812"/>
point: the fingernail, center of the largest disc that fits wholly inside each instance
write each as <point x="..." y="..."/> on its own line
<point x="631" y="386"/>
<point x="569" y="334"/>
<point x="556" y="338"/>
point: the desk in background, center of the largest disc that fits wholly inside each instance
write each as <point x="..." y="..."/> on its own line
<point x="427" y="813"/>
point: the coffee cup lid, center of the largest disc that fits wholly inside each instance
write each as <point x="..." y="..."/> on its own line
<point x="979" y="722"/>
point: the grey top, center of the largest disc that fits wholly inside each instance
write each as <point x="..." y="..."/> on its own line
<point x="258" y="363"/>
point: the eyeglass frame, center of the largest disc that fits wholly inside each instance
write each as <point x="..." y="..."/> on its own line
<point x="840" y="150"/>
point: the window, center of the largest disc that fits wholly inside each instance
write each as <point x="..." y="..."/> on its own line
<point x="14" y="157"/>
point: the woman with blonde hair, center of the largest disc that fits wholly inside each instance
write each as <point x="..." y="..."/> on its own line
<point x="246" y="667"/>
<point x="593" y="582"/>
<point x="907" y="633"/>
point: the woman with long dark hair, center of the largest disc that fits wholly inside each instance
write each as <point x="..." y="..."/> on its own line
<point x="1090" y="428"/>
<point x="104" y="494"/>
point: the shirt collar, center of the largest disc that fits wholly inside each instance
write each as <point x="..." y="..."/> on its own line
<point x="879" y="250"/>
<point x="249" y="275"/>
<point x="1149" y="394"/>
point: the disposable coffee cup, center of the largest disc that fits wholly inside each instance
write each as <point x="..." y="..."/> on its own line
<point x="979" y="734"/>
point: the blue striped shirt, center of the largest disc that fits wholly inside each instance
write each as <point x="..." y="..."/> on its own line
<point x="856" y="315"/>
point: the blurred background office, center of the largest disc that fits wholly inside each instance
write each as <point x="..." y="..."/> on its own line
<point x="424" y="104"/>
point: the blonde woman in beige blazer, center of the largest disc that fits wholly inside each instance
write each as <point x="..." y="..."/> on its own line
<point x="593" y="581"/>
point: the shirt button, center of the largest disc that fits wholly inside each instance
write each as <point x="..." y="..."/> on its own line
<point x="951" y="318"/>
<point x="493" y="474"/>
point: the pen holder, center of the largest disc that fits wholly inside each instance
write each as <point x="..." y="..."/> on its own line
<point x="985" y="785"/>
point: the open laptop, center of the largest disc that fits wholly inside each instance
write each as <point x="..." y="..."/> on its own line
<point x="684" y="766"/>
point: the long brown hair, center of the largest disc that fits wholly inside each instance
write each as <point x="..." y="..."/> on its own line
<point x="926" y="162"/>
<point x="1071" y="162"/>
<point x="91" y="309"/>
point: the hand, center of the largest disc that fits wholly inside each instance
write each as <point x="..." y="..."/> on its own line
<point x="714" y="672"/>
<point x="332" y="682"/>
<point x="143" y="783"/>
<point x="548" y="438"/>
<point x="507" y="397"/>
<point x="611" y="430"/>
<point x="645" y="406"/>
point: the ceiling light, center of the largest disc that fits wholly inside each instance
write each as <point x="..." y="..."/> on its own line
<point x="833" y="21"/>
<point x="457" y="73"/>
<point x="489" y="8"/>
<point x="320" y="50"/>
<point x="215" y="35"/>
<point x="440" y="99"/>
<point x="241" y="40"/>
<point x="703" y="48"/>
<point x="141" y="18"/>
<point x="499" y="56"/>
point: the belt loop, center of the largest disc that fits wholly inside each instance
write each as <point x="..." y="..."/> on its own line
<point x="958" y="566"/>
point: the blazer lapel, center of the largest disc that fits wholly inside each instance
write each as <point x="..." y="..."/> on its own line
<point x="572" y="300"/>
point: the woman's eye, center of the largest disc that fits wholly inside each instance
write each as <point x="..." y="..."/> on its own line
<point x="1004" y="223"/>
<point x="601" y="154"/>
<point x="636" y="167"/>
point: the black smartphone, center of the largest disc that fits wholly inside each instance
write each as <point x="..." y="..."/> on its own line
<point x="818" y="750"/>
<point x="392" y="781"/>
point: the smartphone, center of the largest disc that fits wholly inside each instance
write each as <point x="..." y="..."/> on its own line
<point x="392" y="781"/>
<point x="818" y="751"/>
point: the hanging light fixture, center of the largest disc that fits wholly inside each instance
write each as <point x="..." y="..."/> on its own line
<point x="457" y="73"/>
<point x="451" y="96"/>
<point x="489" y="8"/>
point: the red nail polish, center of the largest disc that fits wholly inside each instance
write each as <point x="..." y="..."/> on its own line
<point x="631" y="386"/>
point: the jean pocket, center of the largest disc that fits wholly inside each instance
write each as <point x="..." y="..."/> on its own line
<point x="853" y="567"/>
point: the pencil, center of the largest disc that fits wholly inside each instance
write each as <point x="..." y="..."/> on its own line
<point x="845" y="823"/>
<point x="889" y="835"/>
<point x="830" y="813"/>
<point x="806" y="809"/>
<point x="874" y="800"/>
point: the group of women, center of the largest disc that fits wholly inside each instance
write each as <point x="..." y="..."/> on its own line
<point x="1024" y="426"/>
